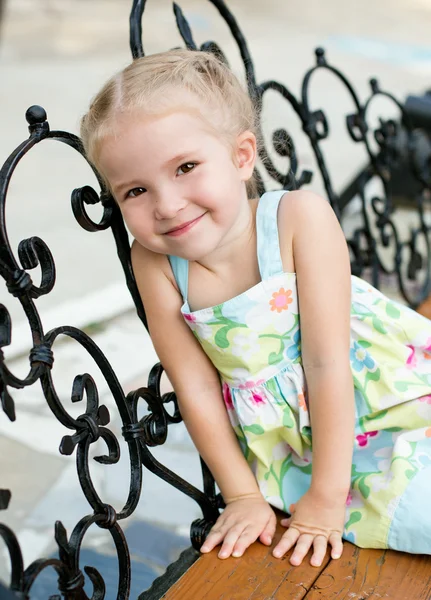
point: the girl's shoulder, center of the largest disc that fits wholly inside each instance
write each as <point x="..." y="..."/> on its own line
<point x="302" y="205"/>
<point x="300" y="214"/>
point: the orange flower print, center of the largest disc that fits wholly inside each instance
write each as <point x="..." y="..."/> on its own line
<point x="281" y="300"/>
<point x="301" y="401"/>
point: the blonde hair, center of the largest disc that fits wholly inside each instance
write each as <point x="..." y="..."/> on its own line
<point x="146" y="85"/>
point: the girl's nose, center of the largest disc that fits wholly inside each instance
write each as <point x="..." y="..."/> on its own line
<point x="168" y="204"/>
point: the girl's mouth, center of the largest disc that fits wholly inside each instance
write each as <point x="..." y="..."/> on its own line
<point x="184" y="227"/>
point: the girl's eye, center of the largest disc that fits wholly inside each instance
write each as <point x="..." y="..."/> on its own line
<point x="186" y="168"/>
<point x="133" y="193"/>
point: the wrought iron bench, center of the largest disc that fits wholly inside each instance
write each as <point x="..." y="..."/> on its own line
<point x="401" y="152"/>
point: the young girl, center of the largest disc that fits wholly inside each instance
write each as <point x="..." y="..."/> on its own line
<point x="303" y="387"/>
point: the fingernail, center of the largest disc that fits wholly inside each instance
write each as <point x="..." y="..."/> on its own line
<point x="204" y="548"/>
<point x="277" y="554"/>
<point x="336" y="555"/>
<point x="236" y="554"/>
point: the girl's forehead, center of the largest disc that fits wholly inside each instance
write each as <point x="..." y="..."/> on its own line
<point x="178" y="126"/>
<point x="157" y="139"/>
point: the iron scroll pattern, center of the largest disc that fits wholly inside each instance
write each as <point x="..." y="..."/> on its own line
<point x="397" y="146"/>
<point x="151" y="430"/>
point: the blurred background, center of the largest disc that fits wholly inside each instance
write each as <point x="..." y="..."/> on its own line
<point x="57" y="53"/>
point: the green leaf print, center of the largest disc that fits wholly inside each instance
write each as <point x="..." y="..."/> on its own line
<point x="276" y="357"/>
<point x="372" y="375"/>
<point x="393" y="429"/>
<point x="219" y="315"/>
<point x="410" y="473"/>
<point x="401" y="386"/>
<point x="255" y="428"/>
<point x="392" y="311"/>
<point x="308" y="469"/>
<point x="220" y="337"/>
<point x="378" y="325"/>
<point x="306" y="435"/>
<point x="364" y="343"/>
<point x="287" y="463"/>
<point x="288" y="420"/>
<point x="363" y="487"/>
<point x="364" y="422"/>
<point x="377" y="415"/>
<point x="422" y="381"/>
<point x="354" y="518"/>
<point x="272" y="388"/>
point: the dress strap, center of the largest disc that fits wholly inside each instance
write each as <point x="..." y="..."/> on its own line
<point x="180" y="269"/>
<point x="268" y="245"/>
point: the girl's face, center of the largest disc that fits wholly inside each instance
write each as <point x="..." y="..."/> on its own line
<point x="180" y="187"/>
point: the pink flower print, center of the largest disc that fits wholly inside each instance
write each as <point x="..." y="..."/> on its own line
<point x="362" y="438"/>
<point x="247" y="385"/>
<point x="349" y="499"/>
<point x="189" y="317"/>
<point x="227" y="396"/>
<point x="426" y="399"/>
<point x="257" y="399"/>
<point x="411" y="361"/>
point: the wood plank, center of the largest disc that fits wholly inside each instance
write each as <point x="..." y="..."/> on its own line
<point x="255" y="576"/>
<point x="425" y="308"/>
<point x="374" y="575"/>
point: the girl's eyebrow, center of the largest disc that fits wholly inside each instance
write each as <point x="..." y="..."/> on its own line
<point x="180" y="157"/>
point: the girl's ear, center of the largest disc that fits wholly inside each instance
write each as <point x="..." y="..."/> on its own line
<point x="246" y="154"/>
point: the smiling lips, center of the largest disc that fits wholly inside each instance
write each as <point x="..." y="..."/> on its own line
<point x="176" y="231"/>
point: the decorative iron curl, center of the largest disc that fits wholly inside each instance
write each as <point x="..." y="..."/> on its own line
<point x="151" y="430"/>
<point x="316" y="127"/>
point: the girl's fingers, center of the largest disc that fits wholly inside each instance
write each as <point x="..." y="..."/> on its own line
<point x="320" y="545"/>
<point x="267" y="534"/>
<point x="302" y="547"/>
<point x="214" y="538"/>
<point x="288" y="540"/>
<point x="336" y="542"/>
<point x="247" y="537"/>
<point x="230" y="540"/>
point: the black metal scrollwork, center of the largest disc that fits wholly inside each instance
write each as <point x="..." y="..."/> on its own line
<point x="397" y="142"/>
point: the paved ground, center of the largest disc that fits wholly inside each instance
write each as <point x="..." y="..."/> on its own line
<point x="57" y="53"/>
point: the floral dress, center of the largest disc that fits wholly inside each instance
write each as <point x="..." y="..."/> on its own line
<point x="254" y="341"/>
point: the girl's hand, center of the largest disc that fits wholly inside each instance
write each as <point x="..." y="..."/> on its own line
<point x="241" y="523"/>
<point x="313" y="523"/>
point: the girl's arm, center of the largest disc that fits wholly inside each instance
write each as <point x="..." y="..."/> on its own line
<point x="322" y="266"/>
<point x="197" y="386"/>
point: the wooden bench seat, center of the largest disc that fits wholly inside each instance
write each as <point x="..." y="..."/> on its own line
<point x="425" y="308"/>
<point x="358" y="575"/>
